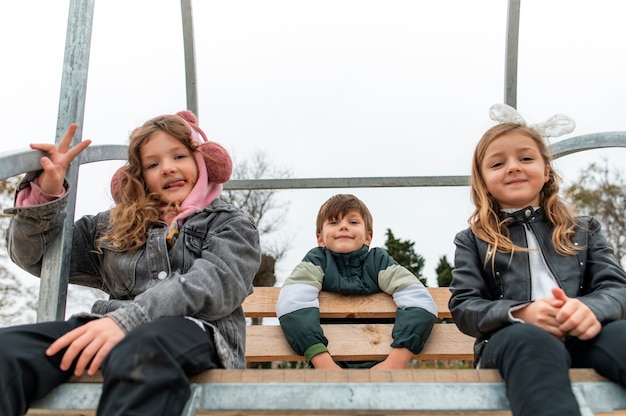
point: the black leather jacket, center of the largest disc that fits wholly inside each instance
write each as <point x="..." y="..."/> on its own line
<point x="483" y="293"/>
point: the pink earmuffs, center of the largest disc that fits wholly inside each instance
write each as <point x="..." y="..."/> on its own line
<point x="219" y="165"/>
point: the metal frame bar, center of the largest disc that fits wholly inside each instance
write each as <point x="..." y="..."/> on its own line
<point x="559" y="149"/>
<point x="191" y="81"/>
<point x="512" y="52"/>
<point x="17" y="162"/>
<point x="54" y="273"/>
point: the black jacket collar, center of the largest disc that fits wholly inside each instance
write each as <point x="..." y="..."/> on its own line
<point x="523" y="215"/>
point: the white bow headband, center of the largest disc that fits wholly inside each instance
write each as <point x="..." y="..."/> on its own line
<point x="555" y="126"/>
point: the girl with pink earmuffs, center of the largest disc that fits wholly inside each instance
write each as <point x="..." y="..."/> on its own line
<point x="176" y="261"/>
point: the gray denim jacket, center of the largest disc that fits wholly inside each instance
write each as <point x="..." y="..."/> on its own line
<point x="206" y="274"/>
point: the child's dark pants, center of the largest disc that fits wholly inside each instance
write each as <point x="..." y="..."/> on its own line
<point x="535" y="365"/>
<point x="145" y="374"/>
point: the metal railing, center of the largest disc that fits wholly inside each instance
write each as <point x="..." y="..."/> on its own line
<point x="55" y="271"/>
<point x="54" y="276"/>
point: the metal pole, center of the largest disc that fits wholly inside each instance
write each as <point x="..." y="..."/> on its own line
<point x="190" y="57"/>
<point x="55" y="268"/>
<point x="512" y="54"/>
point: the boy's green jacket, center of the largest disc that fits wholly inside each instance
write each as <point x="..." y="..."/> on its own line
<point x="358" y="273"/>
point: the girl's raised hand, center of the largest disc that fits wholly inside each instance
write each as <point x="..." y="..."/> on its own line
<point x="57" y="161"/>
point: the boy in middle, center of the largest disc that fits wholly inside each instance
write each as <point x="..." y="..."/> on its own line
<point x="344" y="263"/>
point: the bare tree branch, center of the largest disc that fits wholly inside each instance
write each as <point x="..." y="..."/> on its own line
<point x="600" y="191"/>
<point x="263" y="205"/>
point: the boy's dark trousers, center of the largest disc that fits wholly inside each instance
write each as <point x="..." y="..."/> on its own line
<point x="535" y="365"/>
<point x="145" y="374"/>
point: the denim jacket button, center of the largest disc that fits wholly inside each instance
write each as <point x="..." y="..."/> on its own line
<point x="162" y="275"/>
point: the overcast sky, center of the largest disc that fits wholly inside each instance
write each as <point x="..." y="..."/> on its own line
<point x="331" y="88"/>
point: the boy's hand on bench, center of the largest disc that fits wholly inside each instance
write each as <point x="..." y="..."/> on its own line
<point x="398" y="359"/>
<point x="324" y="361"/>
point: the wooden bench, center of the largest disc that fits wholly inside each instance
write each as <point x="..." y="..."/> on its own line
<point x="423" y="391"/>
<point x="351" y="342"/>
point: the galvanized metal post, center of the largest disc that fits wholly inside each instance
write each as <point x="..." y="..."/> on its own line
<point x="190" y="57"/>
<point x="55" y="269"/>
<point x="512" y="54"/>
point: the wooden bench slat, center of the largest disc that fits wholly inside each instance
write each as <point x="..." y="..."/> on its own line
<point x="357" y="342"/>
<point x="365" y="376"/>
<point x="425" y="375"/>
<point x="441" y="296"/>
<point x="262" y="304"/>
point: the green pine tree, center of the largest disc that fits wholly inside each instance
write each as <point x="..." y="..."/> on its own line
<point x="404" y="253"/>
<point x="444" y="272"/>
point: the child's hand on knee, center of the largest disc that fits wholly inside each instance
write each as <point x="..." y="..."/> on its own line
<point x="89" y="343"/>
<point x="541" y="313"/>
<point x="575" y="318"/>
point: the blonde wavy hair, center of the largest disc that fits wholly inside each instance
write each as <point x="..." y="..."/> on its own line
<point x="485" y="221"/>
<point x="137" y="209"/>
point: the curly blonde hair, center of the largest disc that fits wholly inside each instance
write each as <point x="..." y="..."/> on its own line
<point x="485" y="221"/>
<point x="137" y="209"/>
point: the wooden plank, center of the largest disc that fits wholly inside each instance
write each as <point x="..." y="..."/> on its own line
<point x="262" y="304"/>
<point x="441" y="295"/>
<point x="370" y="376"/>
<point x="356" y="375"/>
<point x="358" y="342"/>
